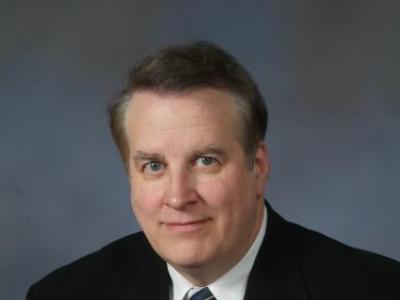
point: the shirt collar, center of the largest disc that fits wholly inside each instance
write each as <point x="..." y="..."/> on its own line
<point x="232" y="285"/>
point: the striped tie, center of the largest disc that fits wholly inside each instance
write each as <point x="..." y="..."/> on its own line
<point x="203" y="294"/>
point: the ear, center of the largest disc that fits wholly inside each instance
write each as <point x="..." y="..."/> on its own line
<point x="261" y="168"/>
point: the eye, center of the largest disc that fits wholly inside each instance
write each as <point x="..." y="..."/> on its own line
<point x="205" y="161"/>
<point x="152" y="167"/>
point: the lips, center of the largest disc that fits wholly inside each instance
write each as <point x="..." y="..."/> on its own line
<point x="187" y="225"/>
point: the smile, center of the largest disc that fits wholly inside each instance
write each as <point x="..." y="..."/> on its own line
<point x="186" y="226"/>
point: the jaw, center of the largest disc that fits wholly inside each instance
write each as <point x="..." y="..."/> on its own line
<point x="201" y="265"/>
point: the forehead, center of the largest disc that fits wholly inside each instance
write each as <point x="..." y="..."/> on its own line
<point x="152" y="112"/>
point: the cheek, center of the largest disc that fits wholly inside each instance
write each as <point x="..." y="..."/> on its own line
<point x="145" y="198"/>
<point x="213" y="191"/>
<point x="226" y="189"/>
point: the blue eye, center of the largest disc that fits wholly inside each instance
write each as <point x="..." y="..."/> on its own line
<point x="206" y="160"/>
<point x="153" y="166"/>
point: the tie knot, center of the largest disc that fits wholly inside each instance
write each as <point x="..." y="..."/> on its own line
<point x="203" y="294"/>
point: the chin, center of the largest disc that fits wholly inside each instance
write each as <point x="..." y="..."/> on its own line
<point x="187" y="258"/>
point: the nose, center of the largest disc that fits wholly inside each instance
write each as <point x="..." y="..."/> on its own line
<point x="181" y="192"/>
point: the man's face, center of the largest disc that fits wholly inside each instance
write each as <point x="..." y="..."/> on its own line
<point x="192" y="191"/>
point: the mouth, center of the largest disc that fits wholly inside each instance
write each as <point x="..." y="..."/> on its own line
<point x="186" y="226"/>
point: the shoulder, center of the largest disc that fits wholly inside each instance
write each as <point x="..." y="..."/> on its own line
<point x="107" y="269"/>
<point x="328" y="265"/>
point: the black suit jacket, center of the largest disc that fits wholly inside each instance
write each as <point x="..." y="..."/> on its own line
<point x="293" y="263"/>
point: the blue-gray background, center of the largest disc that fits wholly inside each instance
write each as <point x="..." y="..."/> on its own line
<point x="328" y="69"/>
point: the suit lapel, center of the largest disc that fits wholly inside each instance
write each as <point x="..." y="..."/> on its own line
<point x="151" y="279"/>
<point x="275" y="274"/>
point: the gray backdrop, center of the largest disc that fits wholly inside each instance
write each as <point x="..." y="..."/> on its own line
<point x="328" y="69"/>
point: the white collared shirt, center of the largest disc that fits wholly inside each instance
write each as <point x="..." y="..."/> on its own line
<point x="232" y="285"/>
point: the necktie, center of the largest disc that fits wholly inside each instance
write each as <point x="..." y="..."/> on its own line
<point x="203" y="294"/>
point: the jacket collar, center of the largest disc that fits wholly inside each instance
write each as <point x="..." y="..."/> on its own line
<point x="150" y="279"/>
<point x="276" y="274"/>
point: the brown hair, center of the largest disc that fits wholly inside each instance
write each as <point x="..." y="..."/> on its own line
<point x="188" y="67"/>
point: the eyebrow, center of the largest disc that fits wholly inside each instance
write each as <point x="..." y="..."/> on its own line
<point x="145" y="156"/>
<point x="142" y="155"/>
<point x="211" y="150"/>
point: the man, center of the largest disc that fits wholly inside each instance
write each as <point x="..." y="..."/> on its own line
<point x="190" y="127"/>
